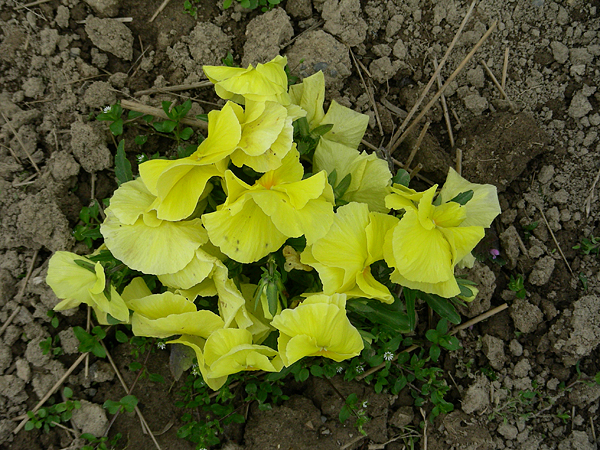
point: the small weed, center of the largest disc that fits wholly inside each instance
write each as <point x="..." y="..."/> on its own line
<point x="440" y="338"/>
<point x="517" y="285"/>
<point x="89" y="231"/>
<point x="528" y="229"/>
<point x="127" y="403"/>
<point x="265" y="5"/>
<point x="50" y="345"/>
<point x="53" y="318"/>
<point x="102" y="443"/>
<point x="356" y="408"/>
<point x="190" y="8"/>
<point x="48" y="417"/>
<point x="588" y="246"/>
<point x="91" y="342"/>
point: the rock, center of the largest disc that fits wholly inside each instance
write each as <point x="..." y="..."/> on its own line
<point x="394" y="25"/>
<point x="560" y="52"/>
<point x="264" y="36"/>
<point x="63" y="14"/>
<point x="105" y="8"/>
<point x="63" y="166"/>
<point x="522" y="368"/>
<point x="319" y="50"/>
<point x="34" y="354"/>
<point x="111" y="36"/>
<point x="402" y="417"/>
<point x="477" y="397"/>
<point x="101" y="372"/>
<point x="8" y="286"/>
<point x="476" y="104"/>
<point x="510" y="245"/>
<point x="578" y="440"/>
<point x="5" y="357"/>
<point x="476" y="77"/>
<point x="89" y="147"/>
<point x="508" y="431"/>
<point x="381" y="50"/>
<point x="525" y="315"/>
<point x="342" y="19"/>
<point x="205" y="45"/>
<point x="23" y="370"/>
<point x="13" y="388"/>
<point x="579" y="106"/>
<point x="580" y="56"/>
<point x="48" y="40"/>
<point x="99" y="94"/>
<point x="68" y="341"/>
<point x="584" y="394"/>
<point x="400" y="51"/>
<point x="582" y="335"/>
<point x="43" y="382"/>
<point x="493" y="349"/>
<point x="542" y="271"/>
<point x="299" y="9"/>
<point x="515" y="347"/>
<point x="90" y="418"/>
<point x="382" y="69"/>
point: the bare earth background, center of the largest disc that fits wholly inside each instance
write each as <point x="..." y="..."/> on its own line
<point x="62" y="61"/>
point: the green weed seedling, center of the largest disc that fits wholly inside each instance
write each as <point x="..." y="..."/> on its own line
<point x="48" y="417"/>
<point x="528" y="229"/>
<point x="265" y="5"/>
<point x="50" y="345"/>
<point x="89" y="231"/>
<point x="190" y="8"/>
<point x="127" y="403"/>
<point x="113" y="115"/>
<point x="441" y="339"/>
<point x="517" y="286"/>
<point x="91" y="342"/>
<point x="588" y="246"/>
<point x="102" y="443"/>
<point x="356" y="408"/>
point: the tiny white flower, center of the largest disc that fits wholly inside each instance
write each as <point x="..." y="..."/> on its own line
<point x="339" y="369"/>
<point x="106" y="109"/>
<point x="195" y="370"/>
<point x="388" y="356"/>
<point x="360" y="369"/>
<point x="365" y="404"/>
<point x="161" y="345"/>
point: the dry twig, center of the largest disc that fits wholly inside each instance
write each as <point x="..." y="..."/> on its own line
<point x="394" y="142"/>
<point x="441" y="91"/>
<point x="504" y="69"/>
<point x="417" y="145"/>
<point x="176" y="88"/>
<point x="157" y="112"/>
<point x="444" y="105"/>
<point x="555" y="240"/>
<point x="10" y="125"/>
<point x="459" y="161"/>
<point x="499" y="86"/>
<point x="368" y="91"/>
<point x="162" y="6"/>
<point x="587" y="205"/>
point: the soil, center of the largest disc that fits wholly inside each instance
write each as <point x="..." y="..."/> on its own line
<point x="61" y="62"/>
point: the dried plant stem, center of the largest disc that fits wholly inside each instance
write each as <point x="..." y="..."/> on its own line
<point x="35" y="166"/>
<point x="459" y="161"/>
<point x="51" y="391"/>
<point x="481" y="317"/>
<point x="10" y="319"/>
<point x="416" y="170"/>
<point x="145" y="426"/>
<point x="439" y="93"/>
<point x="444" y="106"/>
<point x="504" y="69"/>
<point x="29" y="5"/>
<point x="419" y="176"/>
<point x="498" y="86"/>
<point x="555" y="240"/>
<point x="394" y="144"/>
<point x="587" y="205"/>
<point x="162" y="6"/>
<point x="367" y="89"/>
<point x="176" y="88"/>
<point x="425" y="446"/>
<point x="157" y="112"/>
<point x="417" y="145"/>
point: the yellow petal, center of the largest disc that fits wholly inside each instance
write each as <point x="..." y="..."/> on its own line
<point x="197" y="344"/>
<point x="309" y="95"/>
<point x="194" y="273"/>
<point x="348" y="126"/>
<point x="137" y="288"/>
<point x="446" y="289"/>
<point x="167" y="248"/>
<point x="482" y="208"/>
<point x="131" y="200"/>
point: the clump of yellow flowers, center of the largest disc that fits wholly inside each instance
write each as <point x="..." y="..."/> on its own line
<point x="277" y="194"/>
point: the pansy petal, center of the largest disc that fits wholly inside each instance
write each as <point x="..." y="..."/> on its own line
<point x="348" y="126"/>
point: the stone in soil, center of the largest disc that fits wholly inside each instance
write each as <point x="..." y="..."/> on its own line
<point x="526" y="316"/>
<point x="493" y="349"/>
<point x="477" y="397"/>
<point x="89" y="147"/>
<point x="110" y="36"/>
<point x="104" y="8"/>
<point x="317" y="50"/>
<point x="265" y="34"/>
<point x="343" y="19"/>
<point x="90" y="418"/>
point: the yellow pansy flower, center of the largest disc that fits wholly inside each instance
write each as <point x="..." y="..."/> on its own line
<point x="135" y="235"/>
<point x="370" y="176"/>
<point x="428" y="242"/>
<point x="197" y="343"/>
<point x="256" y="220"/>
<point x="317" y="327"/>
<point x="77" y="280"/>
<point x="266" y="82"/>
<point x="169" y="314"/>
<point x="344" y="255"/>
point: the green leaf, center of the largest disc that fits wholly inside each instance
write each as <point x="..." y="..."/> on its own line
<point x="166" y="126"/>
<point x="116" y="128"/>
<point x="121" y="337"/>
<point x="111" y="406"/>
<point x="316" y="371"/>
<point x="332" y="177"/>
<point x="410" y="297"/>
<point x="68" y="392"/>
<point x="122" y="165"/>
<point x="135" y="366"/>
<point x="303" y="375"/>
<point x="402" y="177"/>
<point x="342" y="187"/>
<point x="345" y="413"/>
<point x="156" y="378"/>
<point x="321" y="130"/>
<point x="141" y="139"/>
<point x="226" y="4"/>
<point x="442" y="306"/>
<point x="134" y="114"/>
<point x="463" y="197"/>
<point x="85" y="264"/>
<point x="186" y="133"/>
<point x="129" y="402"/>
<point x="434" y="352"/>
